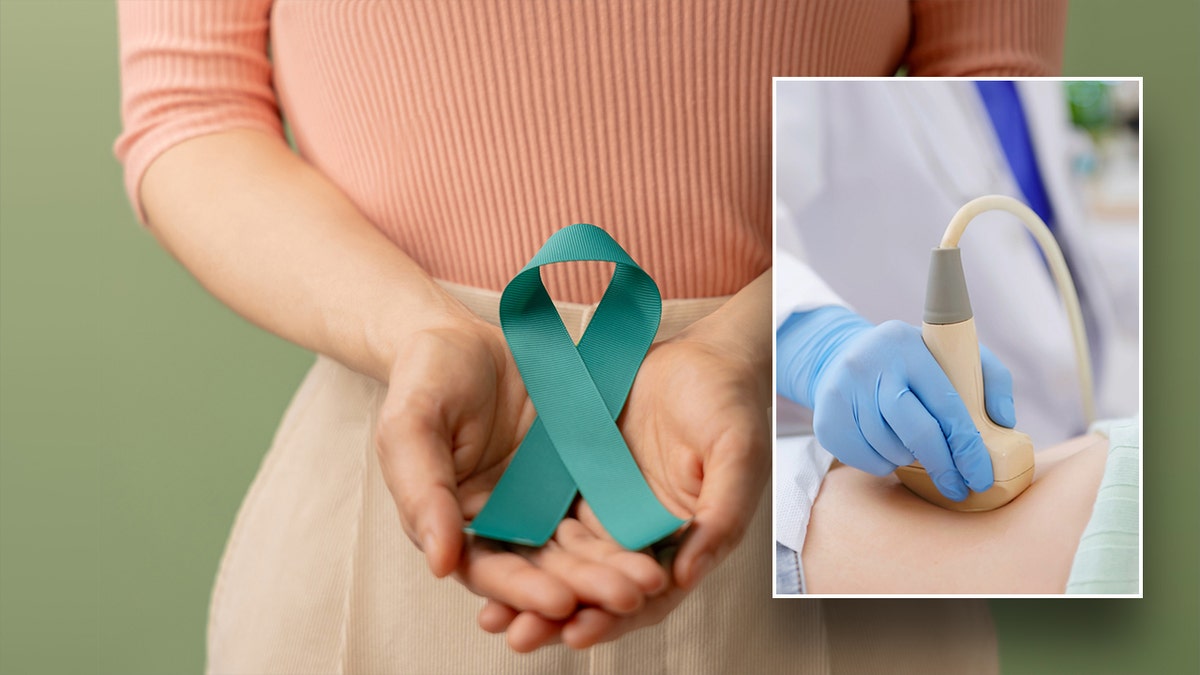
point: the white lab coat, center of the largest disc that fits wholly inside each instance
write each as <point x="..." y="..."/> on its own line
<point x="868" y="176"/>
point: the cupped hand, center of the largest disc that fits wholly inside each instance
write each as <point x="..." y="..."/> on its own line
<point x="455" y="412"/>
<point x="697" y="424"/>
<point x="617" y="589"/>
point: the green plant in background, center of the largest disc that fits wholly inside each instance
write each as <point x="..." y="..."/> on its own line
<point x="1107" y="115"/>
<point x="136" y="408"/>
<point x="1091" y="105"/>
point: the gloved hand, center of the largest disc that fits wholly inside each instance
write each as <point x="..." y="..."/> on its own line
<point x="879" y="399"/>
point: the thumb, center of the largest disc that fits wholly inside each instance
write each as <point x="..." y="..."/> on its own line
<point x="733" y="481"/>
<point x="997" y="389"/>
<point x="418" y="467"/>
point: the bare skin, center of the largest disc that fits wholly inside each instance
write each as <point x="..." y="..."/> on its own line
<point x="870" y="535"/>
<point x="279" y="243"/>
<point x="1026" y="547"/>
<point x="697" y="424"/>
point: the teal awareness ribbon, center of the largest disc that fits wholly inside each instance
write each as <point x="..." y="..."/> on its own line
<point x="578" y="392"/>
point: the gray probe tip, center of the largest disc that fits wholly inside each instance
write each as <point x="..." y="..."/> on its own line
<point x="946" y="299"/>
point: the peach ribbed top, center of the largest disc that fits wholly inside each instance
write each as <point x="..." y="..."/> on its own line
<point x="469" y="131"/>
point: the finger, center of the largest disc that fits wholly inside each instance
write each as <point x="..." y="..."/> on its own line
<point x="509" y="578"/>
<point x="495" y="617"/>
<point x="417" y="462"/>
<point x="923" y="436"/>
<point x="592" y="583"/>
<point x="476" y="489"/>
<point x="837" y="429"/>
<point x="589" y="627"/>
<point x="931" y="386"/>
<point x="587" y="517"/>
<point x="997" y="389"/>
<point x="530" y="631"/>
<point x="642" y="569"/>
<point x="735" y="470"/>
<point x="878" y="433"/>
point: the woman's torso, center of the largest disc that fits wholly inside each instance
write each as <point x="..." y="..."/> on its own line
<point x="468" y="132"/>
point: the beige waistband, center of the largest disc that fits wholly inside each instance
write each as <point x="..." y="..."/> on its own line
<point x="677" y="313"/>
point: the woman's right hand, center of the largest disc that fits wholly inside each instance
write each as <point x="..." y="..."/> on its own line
<point x="456" y="408"/>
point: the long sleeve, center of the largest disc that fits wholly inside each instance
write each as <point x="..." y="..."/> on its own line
<point x="188" y="68"/>
<point x="798" y="288"/>
<point x="1009" y="38"/>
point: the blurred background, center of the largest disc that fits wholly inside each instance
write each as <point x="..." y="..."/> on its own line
<point x="134" y="409"/>
<point x="1107" y="119"/>
<point x="891" y="161"/>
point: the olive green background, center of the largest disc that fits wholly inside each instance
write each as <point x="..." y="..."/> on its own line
<point x="134" y="409"/>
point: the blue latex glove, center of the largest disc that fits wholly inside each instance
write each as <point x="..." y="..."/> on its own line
<point x="879" y="399"/>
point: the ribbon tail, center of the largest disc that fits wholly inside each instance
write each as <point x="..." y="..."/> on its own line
<point x="532" y="496"/>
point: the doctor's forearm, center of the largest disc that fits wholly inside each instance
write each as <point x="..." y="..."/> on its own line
<point x="280" y="244"/>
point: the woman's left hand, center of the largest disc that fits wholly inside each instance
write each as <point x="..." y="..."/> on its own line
<point x="697" y="424"/>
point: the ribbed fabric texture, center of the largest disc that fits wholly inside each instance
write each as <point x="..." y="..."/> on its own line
<point x="468" y="132"/>
<point x="1010" y="39"/>
<point x="319" y="577"/>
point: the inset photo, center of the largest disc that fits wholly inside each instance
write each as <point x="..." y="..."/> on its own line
<point x="957" y="301"/>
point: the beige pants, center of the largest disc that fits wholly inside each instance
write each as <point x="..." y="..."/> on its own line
<point x="319" y="577"/>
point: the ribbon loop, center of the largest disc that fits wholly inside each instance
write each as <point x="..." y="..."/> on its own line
<point x="578" y="392"/>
